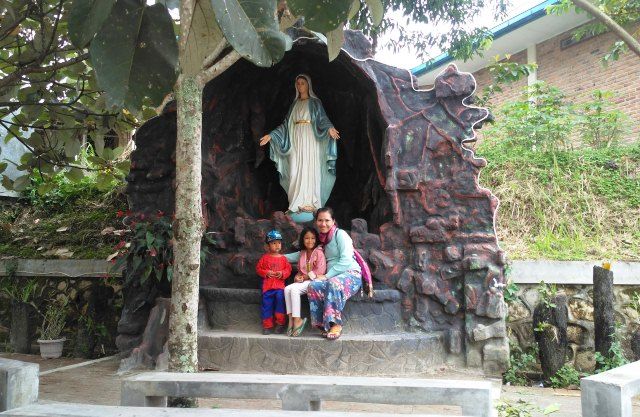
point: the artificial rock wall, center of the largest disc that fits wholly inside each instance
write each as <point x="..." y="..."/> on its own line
<point x="406" y="186"/>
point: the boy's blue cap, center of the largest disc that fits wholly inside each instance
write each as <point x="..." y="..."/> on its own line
<point x="272" y="236"/>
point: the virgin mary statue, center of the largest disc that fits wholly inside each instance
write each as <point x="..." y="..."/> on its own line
<point x="304" y="152"/>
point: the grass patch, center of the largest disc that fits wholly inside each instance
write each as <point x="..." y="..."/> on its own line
<point x="567" y="205"/>
<point x="70" y="218"/>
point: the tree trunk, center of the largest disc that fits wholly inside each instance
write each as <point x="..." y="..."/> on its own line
<point x="550" y="331"/>
<point x="183" y="326"/>
<point x="603" y="309"/>
<point x="187" y="232"/>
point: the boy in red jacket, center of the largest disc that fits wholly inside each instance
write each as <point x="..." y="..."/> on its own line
<point x="274" y="269"/>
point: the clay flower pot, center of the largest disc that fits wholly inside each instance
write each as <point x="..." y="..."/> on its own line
<point x="51" y="349"/>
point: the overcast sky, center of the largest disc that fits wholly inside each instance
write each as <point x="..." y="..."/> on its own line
<point x="407" y="59"/>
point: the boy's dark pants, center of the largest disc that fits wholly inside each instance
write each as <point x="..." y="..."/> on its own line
<point x="273" y="306"/>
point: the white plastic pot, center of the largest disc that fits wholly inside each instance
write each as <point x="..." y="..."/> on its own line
<point x="51" y="349"/>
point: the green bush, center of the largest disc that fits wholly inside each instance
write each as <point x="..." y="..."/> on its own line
<point x="567" y="376"/>
<point x="520" y="362"/>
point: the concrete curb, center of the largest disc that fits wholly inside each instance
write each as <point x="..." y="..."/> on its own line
<point x="71" y="268"/>
<point x="571" y="272"/>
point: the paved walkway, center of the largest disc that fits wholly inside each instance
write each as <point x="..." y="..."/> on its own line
<point x="98" y="383"/>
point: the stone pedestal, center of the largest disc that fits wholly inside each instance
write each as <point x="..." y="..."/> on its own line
<point x="18" y="384"/>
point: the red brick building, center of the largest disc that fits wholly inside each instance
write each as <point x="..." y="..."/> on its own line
<point x="574" y="67"/>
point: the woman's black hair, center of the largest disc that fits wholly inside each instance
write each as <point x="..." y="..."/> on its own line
<point x="304" y="232"/>
<point x="325" y="210"/>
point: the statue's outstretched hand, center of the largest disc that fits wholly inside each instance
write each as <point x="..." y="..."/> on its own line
<point x="334" y="133"/>
<point x="265" y="139"/>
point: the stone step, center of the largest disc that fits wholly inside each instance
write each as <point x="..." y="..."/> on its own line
<point x="393" y="354"/>
<point x="239" y="310"/>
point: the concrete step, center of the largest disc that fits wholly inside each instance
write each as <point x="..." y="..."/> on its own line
<point x="239" y="310"/>
<point x="87" y="410"/>
<point x="392" y="354"/>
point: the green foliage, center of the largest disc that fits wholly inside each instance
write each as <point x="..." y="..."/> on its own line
<point x="503" y="72"/>
<point x="17" y="290"/>
<point x="64" y="187"/>
<point x="558" y="201"/>
<point x="520" y="362"/>
<point x="461" y="39"/>
<point x="149" y="250"/>
<point x="54" y="320"/>
<point x="70" y="218"/>
<point x="321" y="19"/>
<point x="522" y="408"/>
<point x="635" y="301"/>
<point x="615" y="357"/>
<point x="547" y="293"/>
<point x="600" y="125"/>
<point x="567" y="376"/>
<point x="252" y="30"/>
<point x="49" y="98"/>
<point x="135" y="54"/>
<point x="511" y="291"/>
<point x="623" y="12"/>
<point x="86" y="18"/>
<point x="542" y="120"/>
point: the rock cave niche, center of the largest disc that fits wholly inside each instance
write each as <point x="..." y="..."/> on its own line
<point x="406" y="188"/>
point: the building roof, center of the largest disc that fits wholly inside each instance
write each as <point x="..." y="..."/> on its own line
<point x="514" y="35"/>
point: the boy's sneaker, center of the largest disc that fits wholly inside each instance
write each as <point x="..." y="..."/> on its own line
<point x="279" y="329"/>
<point x="267" y="331"/>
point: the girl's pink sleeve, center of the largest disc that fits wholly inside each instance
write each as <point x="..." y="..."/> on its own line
<point x="320" y="267"/>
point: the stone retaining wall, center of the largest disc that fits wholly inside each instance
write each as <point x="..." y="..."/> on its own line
<point x="83" y="285"/>
<point x="574" y="279"/>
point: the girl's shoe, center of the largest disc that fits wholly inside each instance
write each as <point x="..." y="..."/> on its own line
<point x="298" y="330"/>
<point x="289" y="331"/>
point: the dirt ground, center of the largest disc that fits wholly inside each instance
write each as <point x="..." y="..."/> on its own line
<point x="99" y="383"/>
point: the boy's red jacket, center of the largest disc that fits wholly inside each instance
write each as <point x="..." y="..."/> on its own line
<point x="277" y="263"/>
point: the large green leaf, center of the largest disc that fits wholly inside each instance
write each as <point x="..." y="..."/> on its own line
<point x="335" y="40"/>
<point x="204" y="36"/>
<point x="322" y="16"/>
<point x="251" y="28"/>
<point x="86" y="17"/>
<point x="135" y="54"/>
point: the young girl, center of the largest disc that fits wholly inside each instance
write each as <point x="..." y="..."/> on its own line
<point x="311" y="264"/>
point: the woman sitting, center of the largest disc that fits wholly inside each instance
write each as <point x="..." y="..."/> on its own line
<point x="329" y="293"/>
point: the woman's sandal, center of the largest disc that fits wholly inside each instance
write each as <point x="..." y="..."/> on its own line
<point x="335" y="332"/>
<point x="298" y="330"/>
<point x="289" y="331"/>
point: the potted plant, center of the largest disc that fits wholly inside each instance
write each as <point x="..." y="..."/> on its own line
<point x="50" y="341"/>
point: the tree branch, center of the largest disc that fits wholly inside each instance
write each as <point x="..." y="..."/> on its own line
<point x="31" y="69"/>
<point x="212" y="72"/>
<point x="610" y="23"/>
<point x="187" y="7"/>
<point x="211" y="58"/>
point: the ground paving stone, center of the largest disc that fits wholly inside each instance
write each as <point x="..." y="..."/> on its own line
<point x="100" y="384"/>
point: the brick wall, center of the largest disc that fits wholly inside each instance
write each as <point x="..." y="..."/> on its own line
<point x="578" y="70"/>
<point x="510" y="92"/>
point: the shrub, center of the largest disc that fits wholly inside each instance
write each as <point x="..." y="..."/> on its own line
<point x="599" y="125"/>
<point x="520" y="362"/>
<point x="566" y="376"/>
